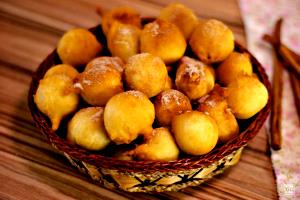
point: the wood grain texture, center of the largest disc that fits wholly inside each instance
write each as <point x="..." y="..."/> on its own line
<point x="30" y="168"/>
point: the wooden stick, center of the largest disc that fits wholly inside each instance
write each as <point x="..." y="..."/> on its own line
<point x="288" y="58"/>
<point x="296" y="90"/>
<point x="294" y="78"/>
<point x="271" y="40"/>
<point x="276" y="104"/>
<point x="275" y="121"/>
<point x="286" y="54"/>
<point x="291" y="61"/>
<point x="294" y="54"/>
<point x="277" y="32"/>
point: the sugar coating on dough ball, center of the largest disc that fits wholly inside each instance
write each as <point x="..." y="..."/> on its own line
<point x="168" y="104"/>
<point x="146" y="73"/>
<point x="212" y="41"/>
<point x="123" y="40"/>
<point x="164" y="39"/>
<point x="195" y="132"/>
<point x="215" y="105"/>
<point x="113" y="62"/>
<point x="62" y="69"/>
<point x="246" y="96"/>
<point x="180" y="15"/>
<point x="78" y="46"/>
<point x="98" y="84"/>
<point x="87" y="130"/>
<point x="127" y="115"/>
<point x="194" y="78"/>
<point x="123" y="14"/>
<point x="235" y="65"/>
<point x="160" y="146"/>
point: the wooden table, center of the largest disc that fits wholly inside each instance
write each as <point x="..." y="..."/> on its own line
<point x="32" y="169"/>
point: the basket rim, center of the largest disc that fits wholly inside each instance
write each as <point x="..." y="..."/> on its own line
<point x="192" y="162"/>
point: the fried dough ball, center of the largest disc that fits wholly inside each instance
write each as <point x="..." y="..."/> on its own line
<point x="127" y="115"/>
<point x="113" y="62"/>
<point x="55" y="98"/>
<point x="215" y="105"/>
<point x="99" y="83"/>
<point x="124" y="15"/>
<point x="195" y="132"/>
<point x="163" y="39"/>
<point x="169" y="83"/>
<point x="233" y="66"/>
<point x="123" y="40"/>
<point x="183" y="17"/>
<point x="212" y="41"/>
<point x="168" y="104"/>
<point x="86" y="129"/>
<point x="194" y="78"/>
<point x="146" y="73"/>
<point x="78" y="46"/>
<point x="160" y="146"/>
<point x="62" y="69"/>
<point x="246" y="96"/>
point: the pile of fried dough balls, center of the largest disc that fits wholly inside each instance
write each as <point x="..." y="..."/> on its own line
<point x="148" y="87"/>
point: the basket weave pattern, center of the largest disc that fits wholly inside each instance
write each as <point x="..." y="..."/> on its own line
<point x="148" y="175"/>
<point x="156" y="182"/>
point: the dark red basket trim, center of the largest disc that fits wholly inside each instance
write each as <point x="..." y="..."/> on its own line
<point x="145" y="166"/>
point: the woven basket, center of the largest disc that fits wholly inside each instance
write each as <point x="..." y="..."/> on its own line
<point x="148" y="176"/>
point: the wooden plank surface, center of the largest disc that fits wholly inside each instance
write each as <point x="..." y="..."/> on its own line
<point x="32" y="169"/>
